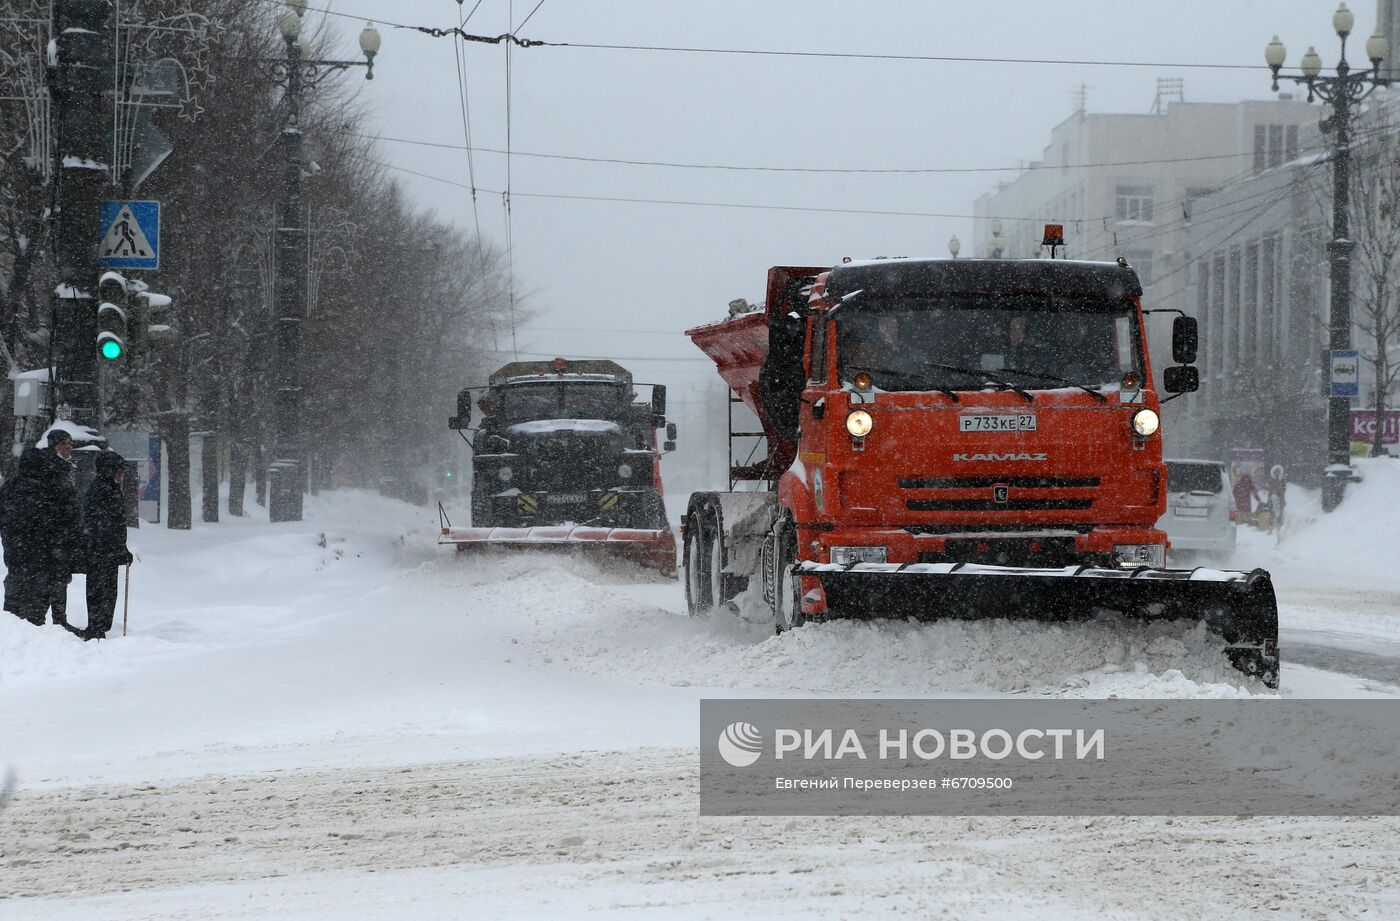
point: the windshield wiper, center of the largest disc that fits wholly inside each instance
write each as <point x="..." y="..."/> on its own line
<point x="896" y="372"/>
<point x="1055" y="377"/>
<point x="970" y="372"/>
<point x="977" y="372"/>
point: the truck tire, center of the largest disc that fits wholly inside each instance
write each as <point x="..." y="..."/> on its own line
<point x="698" y="597"/>
<point x="717" y="559"/>
<point x="787" y="602"/>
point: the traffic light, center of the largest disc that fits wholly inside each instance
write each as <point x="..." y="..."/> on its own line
<point x="112" y="334"/>
<point x="150" y="306"/>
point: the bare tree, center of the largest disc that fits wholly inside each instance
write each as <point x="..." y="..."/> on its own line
<point x="1376" y="229"/>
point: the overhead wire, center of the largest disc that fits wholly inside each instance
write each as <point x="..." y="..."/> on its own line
<point x="671" y="164"/>
<point x="465" y="109"/>
<point x="511" y="38"/>
<point x="510" y="230"/>
<point x="528" y="18"/>
<point x="749" y="206"/>
<point x="871" y="56"/>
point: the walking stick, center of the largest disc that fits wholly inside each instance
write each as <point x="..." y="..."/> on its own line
<point x="126" y="598"/>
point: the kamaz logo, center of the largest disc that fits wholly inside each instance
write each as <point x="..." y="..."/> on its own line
<point x="1000" y="457"/>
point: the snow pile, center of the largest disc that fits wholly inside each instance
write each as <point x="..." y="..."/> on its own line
<point x="1356" y="544"/>
<point x="580" y="628"/>
<point x="225" y="584"/>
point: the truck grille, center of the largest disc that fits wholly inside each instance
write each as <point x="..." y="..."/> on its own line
<point x="991" y="505"/>
<point x="1017" y="482"/>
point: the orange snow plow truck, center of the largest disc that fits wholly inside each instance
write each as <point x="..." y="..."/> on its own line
<point x="957" y="438"/>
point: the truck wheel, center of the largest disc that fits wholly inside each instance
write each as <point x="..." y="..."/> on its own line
<point x="716" y="567"/>
<point x="697" y="559"/>
<point x="786" y="587"/>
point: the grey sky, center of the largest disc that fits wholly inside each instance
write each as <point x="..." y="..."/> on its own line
<point x="661" y="268"/>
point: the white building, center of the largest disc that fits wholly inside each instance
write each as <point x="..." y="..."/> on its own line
<point x="1125" y="185"/>
<point x="1259" y="285"/>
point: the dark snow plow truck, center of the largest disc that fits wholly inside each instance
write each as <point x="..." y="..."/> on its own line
<point x="566" y="458"/>
<point x="957" y="438"/>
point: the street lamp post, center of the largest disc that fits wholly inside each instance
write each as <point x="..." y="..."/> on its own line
<point x="954" y="246"/>
<point x="997" y="245"/>
<point x="287" y="471"/>
<point x="1344" y="92"/>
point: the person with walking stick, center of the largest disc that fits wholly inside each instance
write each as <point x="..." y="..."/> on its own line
<point x="104" y="531"/>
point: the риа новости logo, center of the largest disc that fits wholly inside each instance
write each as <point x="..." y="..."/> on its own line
<point x="741" y="744"/>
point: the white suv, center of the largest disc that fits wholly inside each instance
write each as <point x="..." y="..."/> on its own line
<point x="1200" y="514"/>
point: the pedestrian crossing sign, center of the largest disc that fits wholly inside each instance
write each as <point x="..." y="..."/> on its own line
<point x="130" y="234"/>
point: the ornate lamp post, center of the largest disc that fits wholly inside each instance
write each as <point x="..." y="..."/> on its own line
<point x="954" y="246"/>
<point x="997" y="245"/>
<point x="1344" y="92"/>
<point x="287" y="471"/>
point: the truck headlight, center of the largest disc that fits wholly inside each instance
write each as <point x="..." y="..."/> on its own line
<point x="859" y="423"/>
<point x="1141" y="554"/>
<point x="505" y="474"/>
<point x="624" y="470"/>
<point x="1146" y="422"/>
<point x="844" y="556"/>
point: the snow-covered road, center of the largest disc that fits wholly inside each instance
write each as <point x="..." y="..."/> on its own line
<point x="617" y="833"/>
<point x="341" y="719"/>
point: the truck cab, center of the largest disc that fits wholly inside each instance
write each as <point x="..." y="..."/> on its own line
<point x="957" y="438"/>
<point x="566" y="442"/>
<point x="977" y="411"/>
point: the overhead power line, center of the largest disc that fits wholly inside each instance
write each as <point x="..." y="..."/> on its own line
<point x="870" y="56"/>
<point x="744" y="206"/>
<point x="673" y="164"/>
<point x="510" y="37"/>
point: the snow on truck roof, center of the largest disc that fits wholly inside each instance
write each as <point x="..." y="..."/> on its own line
<point x="555" y="378"/>
<point x="1057" y="277"/>
<point x="561" y="369"/>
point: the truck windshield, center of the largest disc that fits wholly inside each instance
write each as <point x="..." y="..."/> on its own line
<point x="1034" y="343"/>
<point x="529" y="402"/>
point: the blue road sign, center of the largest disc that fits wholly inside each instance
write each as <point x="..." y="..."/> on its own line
<point x="130" y="234"/>
<point x="1346" y="373"/>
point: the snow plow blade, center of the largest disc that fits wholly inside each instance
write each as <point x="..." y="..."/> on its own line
<point x="1239" y="607"/>
<point x="650" y="549"/>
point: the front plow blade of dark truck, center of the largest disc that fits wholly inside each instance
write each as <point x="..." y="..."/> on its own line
<point x="1239" y="607"/>
<point x="650" y="549"/>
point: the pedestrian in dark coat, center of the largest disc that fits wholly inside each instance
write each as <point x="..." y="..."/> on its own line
<point x="104" y="532"/>
<point x="41" y="531"/>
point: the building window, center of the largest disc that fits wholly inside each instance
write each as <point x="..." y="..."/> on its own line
<point x="1141" y="260"/>
<point x="1274" y="145"/>
<point x="1134" y="204"/>
<point x="1249" y="341"/>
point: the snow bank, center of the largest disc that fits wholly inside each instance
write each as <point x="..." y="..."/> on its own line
<point x="1355" y="545"/>
<point x="227" y="584"/>
<point x="577" y="627"/>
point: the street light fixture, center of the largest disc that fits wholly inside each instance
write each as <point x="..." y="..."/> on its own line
<point x="299" y="70"/>
<point x="954" y="246"/>
<point x="289" y="24"/>
<point x="997" y="246"/>
<point x="1343" y="92"/>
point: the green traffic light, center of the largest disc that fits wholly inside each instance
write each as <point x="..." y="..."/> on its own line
<point x="112" y="350"/>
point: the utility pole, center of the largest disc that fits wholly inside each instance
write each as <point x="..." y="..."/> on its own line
<point x="287" y="471"/>
<point x="80" y="92"/>
<point x="1345" y="92"/>
<point x="284" y="500"/>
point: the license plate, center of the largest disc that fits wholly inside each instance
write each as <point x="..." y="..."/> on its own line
<point x="564" y="498"/>
<point x="986" y="422"/>
<point x="1183" y="511"/>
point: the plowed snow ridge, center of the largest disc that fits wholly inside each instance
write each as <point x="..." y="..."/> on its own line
<point x="577" y="621"/>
